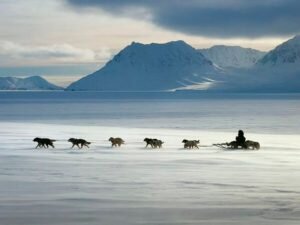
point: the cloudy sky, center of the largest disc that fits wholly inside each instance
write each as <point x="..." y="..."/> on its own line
<point x="65" y="39"/>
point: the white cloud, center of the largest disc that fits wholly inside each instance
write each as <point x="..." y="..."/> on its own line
<point x="14" y="54"/>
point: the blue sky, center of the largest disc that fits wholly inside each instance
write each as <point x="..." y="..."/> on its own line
<point x="65" y="39"/>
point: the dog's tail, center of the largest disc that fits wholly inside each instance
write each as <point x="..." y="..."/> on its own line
<point x="52" y="140"/>
<point x="88" y="143"/>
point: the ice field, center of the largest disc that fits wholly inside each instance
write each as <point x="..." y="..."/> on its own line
<point x="134" y="185"/>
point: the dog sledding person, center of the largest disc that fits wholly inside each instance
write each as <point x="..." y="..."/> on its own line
<point x="240" y="140"/>
<point x="239" y="143"/>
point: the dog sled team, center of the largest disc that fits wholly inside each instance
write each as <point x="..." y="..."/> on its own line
<point x="239" y="143"/>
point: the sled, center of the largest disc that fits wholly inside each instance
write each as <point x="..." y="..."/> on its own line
<point x="234" y="146"/>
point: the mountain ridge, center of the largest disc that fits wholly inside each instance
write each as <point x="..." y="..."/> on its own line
<point x="232" y="56"/>
<point x="175" y="66"/>
<point x="27" y="83"/>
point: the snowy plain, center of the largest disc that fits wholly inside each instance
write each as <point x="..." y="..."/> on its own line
<point x="134" y="185"/>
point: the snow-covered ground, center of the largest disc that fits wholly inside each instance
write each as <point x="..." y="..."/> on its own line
<point x="134" y="185"/>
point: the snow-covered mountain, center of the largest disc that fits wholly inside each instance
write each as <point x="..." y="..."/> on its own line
<point x="29" y="83"/>
<point x="288" y="53"/>
<point x="277" y="71"/>
<point x="152" y="67"/>
<point x="232" y="56"/>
